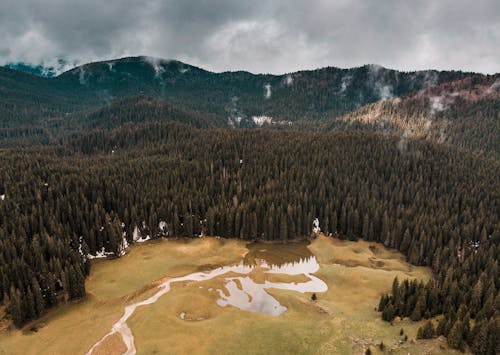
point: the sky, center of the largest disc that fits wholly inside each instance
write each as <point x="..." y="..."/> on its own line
<point x="273" y="36"/>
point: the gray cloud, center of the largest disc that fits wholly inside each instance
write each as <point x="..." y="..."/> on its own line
<point x="260" y="36"/>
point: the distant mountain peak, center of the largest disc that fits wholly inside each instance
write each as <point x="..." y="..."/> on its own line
<point x="41" y="69"/>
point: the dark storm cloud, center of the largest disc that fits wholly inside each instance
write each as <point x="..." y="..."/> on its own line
<point x="259" y="36"/>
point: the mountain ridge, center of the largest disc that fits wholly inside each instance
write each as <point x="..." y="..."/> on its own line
<point x="51" y="108"/>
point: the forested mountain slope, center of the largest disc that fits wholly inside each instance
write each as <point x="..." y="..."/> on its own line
<point x="465" y="113"/>
<point x="30" y="103"/>
<point x="438" y="205"/>
<point x="136" y="109"/>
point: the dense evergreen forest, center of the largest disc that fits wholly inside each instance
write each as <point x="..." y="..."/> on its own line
<point x="112" y="152"/>
<point x="439" y="205"/>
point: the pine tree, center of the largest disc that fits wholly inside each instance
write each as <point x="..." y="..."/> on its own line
<point x="388" y="313"/>
<point x="15" y="307"/>
<point x="455" y="337"/>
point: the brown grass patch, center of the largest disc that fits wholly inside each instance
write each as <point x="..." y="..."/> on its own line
<point x="112" y="345"/>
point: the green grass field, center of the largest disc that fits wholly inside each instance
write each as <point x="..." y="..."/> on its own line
<point x="343" y="320"/>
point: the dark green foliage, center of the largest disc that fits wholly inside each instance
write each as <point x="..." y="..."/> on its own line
<point x="37" y="110"/>
<point x="388" y="313"/>
<point x="427" y="331"/>
<point x="437" y="204"/>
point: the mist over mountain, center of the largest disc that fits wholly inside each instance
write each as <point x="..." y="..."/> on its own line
<point x="54" y="106"/>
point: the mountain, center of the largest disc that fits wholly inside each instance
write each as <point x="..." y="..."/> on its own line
<point x="154" y="146"/>
<point x="39" y="69"/>
<point x="465" y="113"/>
<point x="443" y="106"/>
<point x="241" y="95"/>
<point x="36" y="70"/>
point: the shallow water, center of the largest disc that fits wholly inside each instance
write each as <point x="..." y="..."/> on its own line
<point x="252" y="296"/>
<point x="243" y="292"/>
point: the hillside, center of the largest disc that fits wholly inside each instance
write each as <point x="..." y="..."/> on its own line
<point x="465" y="113"/>
<point x="39" y="110"/>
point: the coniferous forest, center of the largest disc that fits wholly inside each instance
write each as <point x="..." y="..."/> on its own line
<point x="110" y="152"/>
<point x="439" y="205"/>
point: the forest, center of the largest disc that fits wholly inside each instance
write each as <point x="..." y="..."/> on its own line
<point x="95" y="193"/>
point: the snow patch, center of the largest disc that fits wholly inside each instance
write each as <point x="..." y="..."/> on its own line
<point x="2" y="197"/>
<point x="261" y="120"/>
<point x="100" y="254"/>
<point x="136" y="234"/>
<point x="142" y="240"/>
<point x="288" y="80"/>
<point x="137" y="238"/>
<point x="316" y="228"/>
<point x="123" y="246"/>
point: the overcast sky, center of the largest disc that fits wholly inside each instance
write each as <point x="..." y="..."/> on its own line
<point x="259" y="36"/>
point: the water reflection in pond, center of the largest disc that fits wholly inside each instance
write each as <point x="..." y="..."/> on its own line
<point x="249" y="295"/>
<point x="276" y="254"/>
<point x="290" y="259"/>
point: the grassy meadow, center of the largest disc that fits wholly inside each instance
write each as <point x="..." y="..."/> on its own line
<point x="343" y="320"/>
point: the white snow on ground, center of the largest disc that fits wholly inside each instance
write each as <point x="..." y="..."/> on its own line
<point x="288" y="80"/>
<point x="136" y="234"/>
<point x="260" y="120"/>
<point x="123" y="245"/>
<point x="80" y="247"/>
<point x="100" y="254"/>
<point x="316" y="228"/>
<point x="142" y="240"/>
<point x="2" y="197"/>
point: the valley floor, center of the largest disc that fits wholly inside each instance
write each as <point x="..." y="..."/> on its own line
<point x="343" y="320"/>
